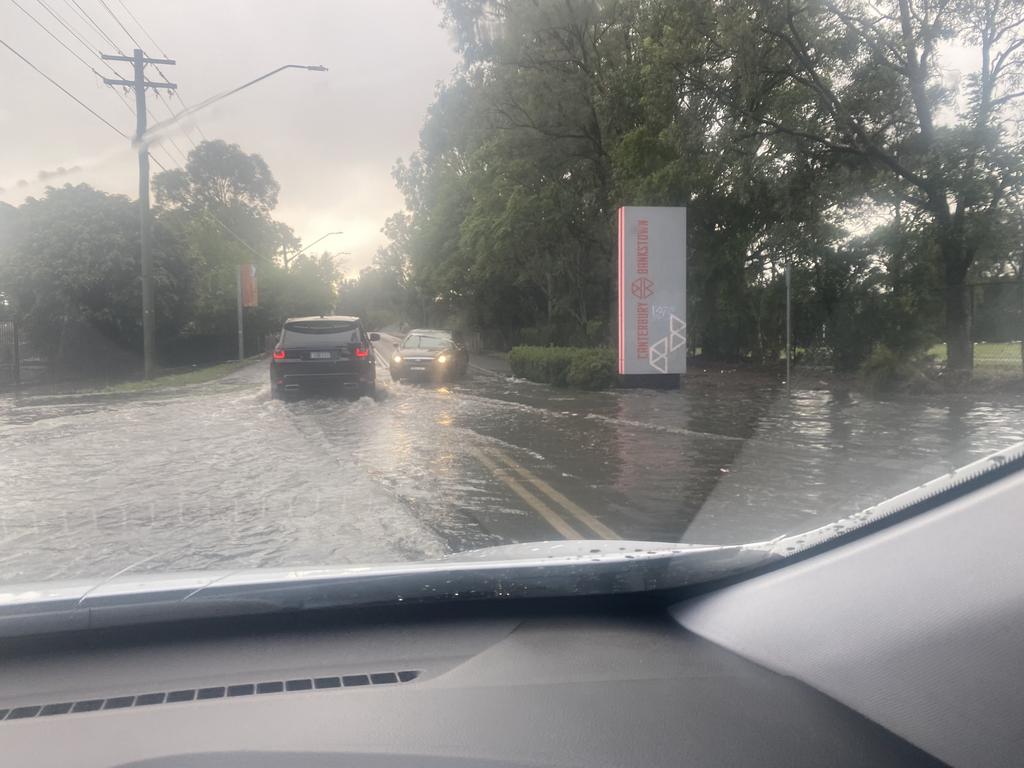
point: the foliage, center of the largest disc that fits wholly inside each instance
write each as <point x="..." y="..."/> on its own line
<point x="71" y="268"/>
<point x="218" y="176"/>
<point x="822" y="134"/>
<point x="579" y="367"/>
<point x="221" y="205"/>
<point x="70" y="264"/>
<point x="887" y="371"/>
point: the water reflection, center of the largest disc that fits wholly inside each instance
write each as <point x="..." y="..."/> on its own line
<point x="223" y="476"/>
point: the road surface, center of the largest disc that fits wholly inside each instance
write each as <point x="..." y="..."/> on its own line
<point x="220" y="476"/>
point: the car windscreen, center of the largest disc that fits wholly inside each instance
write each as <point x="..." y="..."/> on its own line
<point x="424" y="342"/>
<point x="320" y="335"/>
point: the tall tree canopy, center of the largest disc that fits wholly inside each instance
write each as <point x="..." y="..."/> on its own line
<point x="822" y="133"/>
<point x="71" y="269"/>
<point x="222" y="204"/>
<point x="70" y="266"/>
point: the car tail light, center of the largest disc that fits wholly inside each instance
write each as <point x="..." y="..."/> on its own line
<point x="362" y="351"/>
<point x="279" y="354"/>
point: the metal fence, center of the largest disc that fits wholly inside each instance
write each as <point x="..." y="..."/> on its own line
<point x="997" y="326"/>
<point x="19" y="364"/>
<point x="9" y="362"/>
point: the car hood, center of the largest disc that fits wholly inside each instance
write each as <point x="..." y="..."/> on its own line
<point x="540" y="569"/>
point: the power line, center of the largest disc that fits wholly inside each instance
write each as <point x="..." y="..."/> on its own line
<point x="170" y="111"/>
<point x="68" y="93"/>
<point x="160" y="50"/>
<point x="46" y="29"/>
<point x="132" y="38"/>
<point x="233" y="234"/>
<point x="167" y="106"/>
<point x="102" y="32"/>
<point x="81" y="40"/>
<point x="83" y="18"/>
<point x="85" y="63"/>
<point x="68" y="49"/>
<point x="139" y="25"/>
<point x="76" y="35"/>
<point x="60" y="20"/>
<point x="122" y="26"/>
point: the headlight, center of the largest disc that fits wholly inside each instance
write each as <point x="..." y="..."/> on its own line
<point x="442" y="358"/>
<point x="398" y="358"/>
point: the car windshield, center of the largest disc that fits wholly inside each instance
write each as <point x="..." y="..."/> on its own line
<point x="703" y="273"/>
<point x="424" y="342"/>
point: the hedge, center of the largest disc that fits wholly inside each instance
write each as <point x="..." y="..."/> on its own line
<point x="580" y="367"/>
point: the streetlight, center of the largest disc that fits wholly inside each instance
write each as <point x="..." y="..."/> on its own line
<point x="306" y="248"/>
<point x="214" y="99"/>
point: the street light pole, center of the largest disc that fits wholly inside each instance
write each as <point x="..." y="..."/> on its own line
<point x="789" y="346"/>
<point x="238" y="296"/>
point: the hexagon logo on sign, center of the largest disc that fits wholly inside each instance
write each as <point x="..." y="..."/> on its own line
<point x="642" y="288"/>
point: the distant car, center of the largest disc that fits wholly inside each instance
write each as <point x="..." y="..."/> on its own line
<point x="326" y="353"/>
<point x="462" y="353"/>
<point x="429" y="354"/>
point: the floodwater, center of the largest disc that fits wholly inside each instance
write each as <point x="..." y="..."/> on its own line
<point x="221" y="476"/>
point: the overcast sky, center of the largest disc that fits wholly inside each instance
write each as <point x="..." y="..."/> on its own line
<point x="331" y="139"/>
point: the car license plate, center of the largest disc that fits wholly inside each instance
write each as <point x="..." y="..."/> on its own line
<point x="319" y="355"/>
<point x="417" y="368"/>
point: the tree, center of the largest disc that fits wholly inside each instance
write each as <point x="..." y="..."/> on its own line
<point x="783" y="126"/>
<point x="221" y="203"/>
<point x="862" y="84"/>
<point x="71" y="267"/>
<point x="7" y="217"/>
<point x="218" y="176"/>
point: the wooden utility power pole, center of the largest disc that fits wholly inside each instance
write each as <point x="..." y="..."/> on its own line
<point x="139" y="84"/>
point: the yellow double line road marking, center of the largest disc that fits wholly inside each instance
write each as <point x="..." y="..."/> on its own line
<point x="487" y="457"/>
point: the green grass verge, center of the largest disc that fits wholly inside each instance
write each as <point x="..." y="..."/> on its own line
<point x="986" y="355"/>
<point x="182" y="378"/>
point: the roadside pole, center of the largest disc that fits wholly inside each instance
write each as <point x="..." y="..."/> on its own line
<point x="148" y="316"/>
<point x="238" y="294"/>
<point x="16" y="359"/>
<point x="789" y="347"/>
<point x="139" y="84"/>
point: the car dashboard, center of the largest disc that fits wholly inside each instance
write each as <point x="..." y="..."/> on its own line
<point x="895" y="645"/>
<point x="615" y="686"/>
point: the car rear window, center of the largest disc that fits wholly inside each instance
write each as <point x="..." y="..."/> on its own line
<point x="320" y="334"/>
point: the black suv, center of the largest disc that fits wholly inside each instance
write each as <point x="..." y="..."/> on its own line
<point x="327" y="353"/>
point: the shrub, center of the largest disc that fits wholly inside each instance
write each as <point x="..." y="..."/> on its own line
<point x="580" y="367"/>
<point x="592" y="369"/>
<point x="888" y="370"/>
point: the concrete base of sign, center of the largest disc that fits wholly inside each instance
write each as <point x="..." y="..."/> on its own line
<point x="651" y="381"/>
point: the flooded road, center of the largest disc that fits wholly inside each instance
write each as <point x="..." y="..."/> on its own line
<point x="220" y="476"/>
